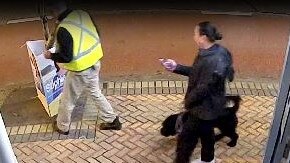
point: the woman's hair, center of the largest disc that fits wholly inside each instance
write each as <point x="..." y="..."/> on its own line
<point x="210" y="31"/>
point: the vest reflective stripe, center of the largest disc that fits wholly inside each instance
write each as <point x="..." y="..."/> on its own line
<point x="80" y="54"/>
<point x="87" y="49"/>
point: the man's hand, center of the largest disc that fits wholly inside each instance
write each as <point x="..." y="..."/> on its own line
<point x="47" y="54"/>
<point x="168" y="64"/>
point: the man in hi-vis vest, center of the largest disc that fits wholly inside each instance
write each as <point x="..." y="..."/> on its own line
<point x="79" y="50"/>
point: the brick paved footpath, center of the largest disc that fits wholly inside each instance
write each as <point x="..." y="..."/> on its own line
<point x="142" y="113"/>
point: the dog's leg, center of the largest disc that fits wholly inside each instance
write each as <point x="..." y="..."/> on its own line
<point x="233" y="133"/>
<point x="234" y="138"/>
<point x="186" y="141"/>
<point x="219" y="137"/>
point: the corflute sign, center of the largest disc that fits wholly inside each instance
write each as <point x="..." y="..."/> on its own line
<point x="48" y="82"/>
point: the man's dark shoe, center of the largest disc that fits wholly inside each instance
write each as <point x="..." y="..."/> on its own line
<point x="115" y="125"/>
<point x="55" y="128"/>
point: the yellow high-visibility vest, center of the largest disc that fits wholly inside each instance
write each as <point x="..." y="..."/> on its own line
<point x="87" y="49"/>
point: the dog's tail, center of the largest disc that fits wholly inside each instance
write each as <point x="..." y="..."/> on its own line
<point x="235" y="100"/>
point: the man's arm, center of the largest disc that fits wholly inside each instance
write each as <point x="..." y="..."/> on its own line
<point x="95" y="24"/>
<point x="65" y="50"/>
<point x="230" y="69"/>
<point x="183" y="70"/>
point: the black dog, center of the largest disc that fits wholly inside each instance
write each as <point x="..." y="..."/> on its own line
<point x="226" y="123"/>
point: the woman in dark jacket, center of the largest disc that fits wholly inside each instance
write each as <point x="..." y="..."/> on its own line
<point x="205" y="96"/>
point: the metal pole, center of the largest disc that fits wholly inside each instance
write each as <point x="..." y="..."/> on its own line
<point x="6" y="152"/>
<point x="281" y="104"/>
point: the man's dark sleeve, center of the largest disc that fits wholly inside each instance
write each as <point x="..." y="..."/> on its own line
<point x="183" y="70"/>
<point x="65" y="50"/>
<point x="230" y="69"/>
<point x="95" y="24"/>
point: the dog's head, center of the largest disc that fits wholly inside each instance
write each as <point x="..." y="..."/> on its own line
<point x="233" y="102"/>
<point x="168" y="126"/>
